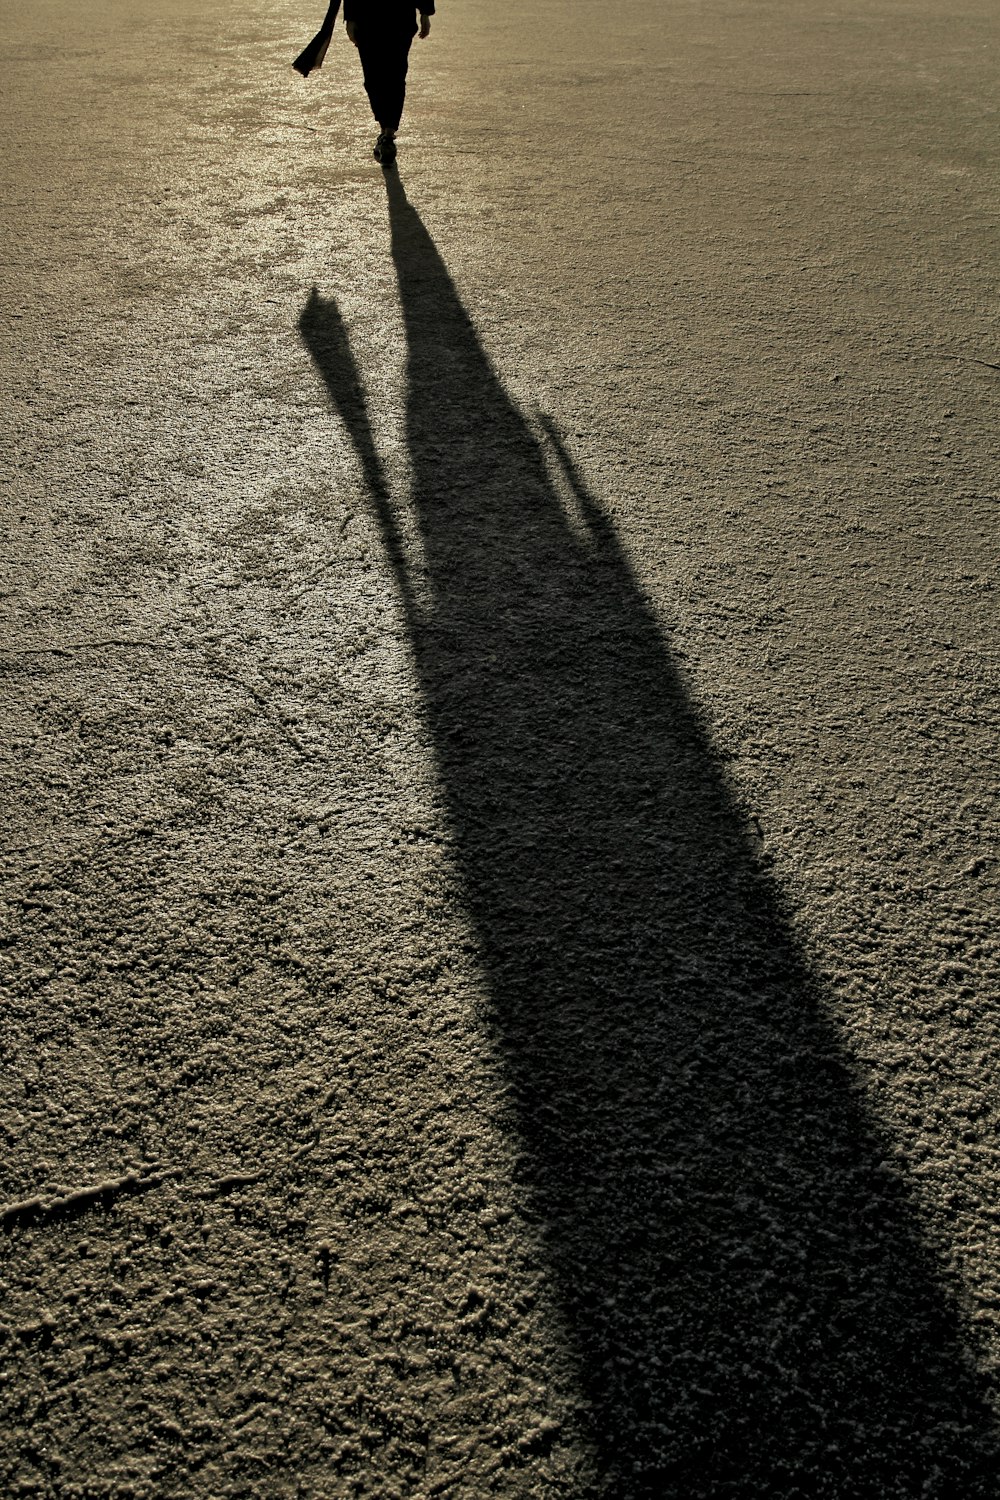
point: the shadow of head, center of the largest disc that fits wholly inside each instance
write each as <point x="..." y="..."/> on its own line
<point x="752" y="1306"/>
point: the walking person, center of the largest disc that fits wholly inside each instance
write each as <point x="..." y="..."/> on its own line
<point x="383" y="31"/>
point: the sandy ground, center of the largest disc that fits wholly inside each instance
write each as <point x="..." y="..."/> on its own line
<point x="499" y="663"/>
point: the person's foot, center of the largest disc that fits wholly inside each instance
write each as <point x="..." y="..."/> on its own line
<point x="385" y="149"/>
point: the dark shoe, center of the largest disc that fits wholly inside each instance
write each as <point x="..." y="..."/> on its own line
<point x="385" y="149"/>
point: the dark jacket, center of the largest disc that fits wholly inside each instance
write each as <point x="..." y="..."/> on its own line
<point x="387" y="12"/>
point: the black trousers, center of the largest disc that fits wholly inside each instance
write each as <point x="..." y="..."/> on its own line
<point x="385" y="54"/>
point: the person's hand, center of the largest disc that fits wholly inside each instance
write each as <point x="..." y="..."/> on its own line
<point x="352" y="31"/>
<point x="425" y="25"/>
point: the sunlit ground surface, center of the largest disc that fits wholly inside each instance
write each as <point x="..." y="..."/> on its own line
<point x="499" y="746"/>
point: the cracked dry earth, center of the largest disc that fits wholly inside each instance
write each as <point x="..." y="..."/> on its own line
<point x="499" y="665"/>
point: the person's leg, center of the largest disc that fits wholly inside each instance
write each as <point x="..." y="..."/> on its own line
<point x="384" y="60"/>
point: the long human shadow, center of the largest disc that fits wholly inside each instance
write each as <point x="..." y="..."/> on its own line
<point x="751" y="1306"/>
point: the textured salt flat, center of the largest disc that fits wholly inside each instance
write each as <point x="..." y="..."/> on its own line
<point x="499" y="755"/>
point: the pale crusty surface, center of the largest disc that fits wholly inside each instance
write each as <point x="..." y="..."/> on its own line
<point x="499" y="748"/>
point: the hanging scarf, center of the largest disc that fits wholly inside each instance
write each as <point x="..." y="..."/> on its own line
<point x="312" y="56"/>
